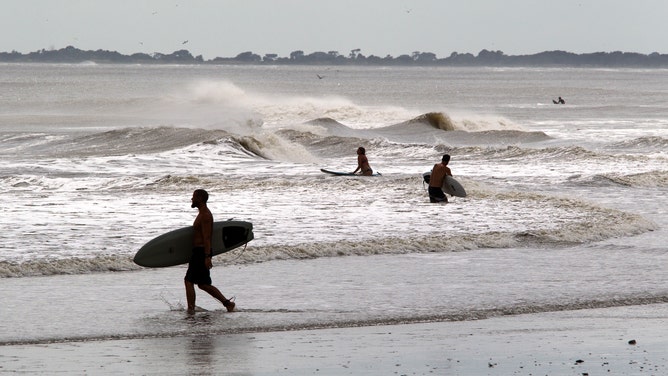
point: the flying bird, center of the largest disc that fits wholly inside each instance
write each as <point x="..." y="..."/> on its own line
<point x="184" y="42"/>
<point x="320" y="77"/>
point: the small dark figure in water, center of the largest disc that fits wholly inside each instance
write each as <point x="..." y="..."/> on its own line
<point x="559" y="101"/>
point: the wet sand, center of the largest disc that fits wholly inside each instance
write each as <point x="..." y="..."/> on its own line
<point x="608" y="341"/>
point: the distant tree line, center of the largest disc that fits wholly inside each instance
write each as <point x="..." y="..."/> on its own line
<point x="354" y="57"/>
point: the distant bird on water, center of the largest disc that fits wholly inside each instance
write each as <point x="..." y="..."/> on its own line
<point x="320" y="77"/>
<point x="184" y="42"/>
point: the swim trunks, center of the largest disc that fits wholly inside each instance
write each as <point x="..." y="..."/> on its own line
<point x="436" y="195"/>
<point x="197" y="272"/>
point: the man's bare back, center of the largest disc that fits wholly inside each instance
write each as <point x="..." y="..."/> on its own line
<point x="437" y="178"/>
<point x="438" y="174"/>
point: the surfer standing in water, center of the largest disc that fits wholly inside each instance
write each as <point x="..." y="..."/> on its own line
<point x="200" y="261"/>
<point x="363" y="163"/>
<point x="438" y="174"/>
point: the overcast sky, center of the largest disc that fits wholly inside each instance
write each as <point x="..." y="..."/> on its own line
<point x="225" y="28"/>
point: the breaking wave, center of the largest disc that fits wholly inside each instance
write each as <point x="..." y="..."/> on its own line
<point x="468" y="123"/>
<point x="658" y="179"/>
<point x="437" y="120"/>
<point x="114" y="142"/>
<point x="642" y="144"/>
<point x="598" y="224"/>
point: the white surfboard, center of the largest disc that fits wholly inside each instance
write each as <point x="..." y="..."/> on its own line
<point x="453" y="188"/>
<point x="175" y="247"/>
<point x="450" y="185"/>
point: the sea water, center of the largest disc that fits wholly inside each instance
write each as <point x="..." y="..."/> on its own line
<point x="565" y="210"/>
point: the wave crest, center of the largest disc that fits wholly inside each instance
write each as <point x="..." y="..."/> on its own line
<point x="645" y="179"/>
<point x="643" y="144"/>
<point x="437" y="120"/>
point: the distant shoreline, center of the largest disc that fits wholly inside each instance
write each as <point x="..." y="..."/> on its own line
<point x="484" y="58"/>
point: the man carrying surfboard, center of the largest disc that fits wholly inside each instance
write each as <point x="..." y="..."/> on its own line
<point x="363" y="163"/>
<point x="200" y="261"/>
<point x="438" y="174"/>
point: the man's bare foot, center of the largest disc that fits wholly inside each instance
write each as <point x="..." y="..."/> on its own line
<point x="191" y="311"/>
<point x="229" y="305"/>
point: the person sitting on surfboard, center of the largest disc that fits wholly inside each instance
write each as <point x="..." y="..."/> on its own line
<point x="200" y="261"/>
<point x="438" y="174"/>
<point x="559" y="101"/>
<point x="363" y="163"/>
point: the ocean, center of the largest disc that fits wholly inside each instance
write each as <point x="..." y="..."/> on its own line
<point x="566" y="206"/>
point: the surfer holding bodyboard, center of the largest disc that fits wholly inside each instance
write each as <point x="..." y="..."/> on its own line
<point x="440" y="182"/>
<point x="437" y="178"/>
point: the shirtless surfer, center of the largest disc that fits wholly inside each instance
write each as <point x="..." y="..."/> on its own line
<point x="200" y="261"/>
<point x="438" y="174"/>
<point x="363" y="163"/>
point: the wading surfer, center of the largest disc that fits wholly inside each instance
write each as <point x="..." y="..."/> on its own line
<point x="438" y="174"/>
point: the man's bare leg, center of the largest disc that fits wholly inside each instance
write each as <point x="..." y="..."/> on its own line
<point x="190" y="296"/>
<point x="213" y="291"/>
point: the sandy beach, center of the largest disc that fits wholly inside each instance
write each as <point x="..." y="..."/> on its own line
<point x="609" y="341"/>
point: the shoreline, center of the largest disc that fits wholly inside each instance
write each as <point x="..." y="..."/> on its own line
<point x="614" y="341"/>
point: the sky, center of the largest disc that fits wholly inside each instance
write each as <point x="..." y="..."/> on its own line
<point x="225" y="28"/>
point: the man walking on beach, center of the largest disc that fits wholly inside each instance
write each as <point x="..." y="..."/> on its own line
<point x="200" y="261"/>
<point x="438" y="174"/>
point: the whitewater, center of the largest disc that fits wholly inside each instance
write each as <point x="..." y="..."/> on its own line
<point x="566" y="207"/>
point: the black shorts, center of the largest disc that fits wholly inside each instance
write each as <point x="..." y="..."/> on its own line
<point x="197" y="272"/>
<point x="436" y="195"/>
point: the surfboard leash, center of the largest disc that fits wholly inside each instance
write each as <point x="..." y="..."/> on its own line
<point x="240" y="253"/>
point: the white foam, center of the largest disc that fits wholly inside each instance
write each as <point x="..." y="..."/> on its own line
<point x="302" y="218"/>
